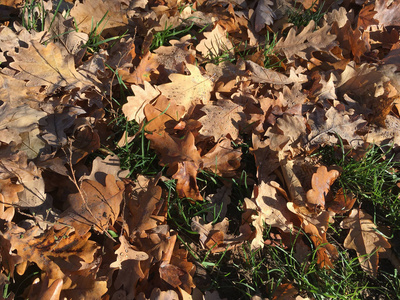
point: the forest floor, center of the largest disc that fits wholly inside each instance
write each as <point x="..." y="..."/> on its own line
<point x="222" y="149"/>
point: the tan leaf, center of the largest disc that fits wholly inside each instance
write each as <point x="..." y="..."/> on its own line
<point x="222" y="118"/>
<point x="143" y="197"/>
<point x="321" y="183"/>
<point x="94" y="206"/>
<point x="103" y="167"/>
<point x="273" y="210"/>
<point x="133" y="110"/>
<point x="126" y="252"/>
<point x="215" y="43"/>
<point x="89" y="13"/>
<point x="17" y="120"/>
<point x="306" y="42"/>
<point x="15" y="92"/>
<point x="48" y="65"/>
<point x="188" y="90"/>
<point x="365" y="239"/>
<point x="175" y="58"/>
<point x="260" y="74"/>
<point x="388" y="12"/>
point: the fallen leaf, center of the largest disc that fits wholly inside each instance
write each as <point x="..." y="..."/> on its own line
<point x="321" y="183"/>
<point x="215" y="44"/>
<point x="133" y="109"/>
<point x="221" y="118"/>
<point x="264" y="14"/>
<point x="95" y="205"/>
<point x="48" y="65"/>
<point x="306" y="42"/>
<point x="188" y="90"/>
<point x="365" y="238"/>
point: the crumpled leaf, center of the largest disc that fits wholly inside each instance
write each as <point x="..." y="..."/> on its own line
<point x="95" y="205"/>
<point x="365" y="239"/>
<point x="183" y="160"/>
<point x="89" y="13"/>
<point x="126" y="252"/>
<point x="58" y="253"/>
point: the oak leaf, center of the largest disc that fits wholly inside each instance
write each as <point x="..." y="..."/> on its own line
<point x="222" y="159"/>
<point x="260" y="74"/>
<point x="89" y="13"/>
<point x="306" y="42"/>
<point x="174" y="58"/>
<point x="58" y="253"/>
<point x="264" y="14"/>
<point x="387" y="12"/>
<point x="133" y="109"/>
<point x="49" y="66"/>
<point x="215" y="43"/>
<point x="141" y="203"/>
<point x="365" y="239"/>
<point x="341" y="203"/>
<point x="95" y="205"/>
<point x="188" y="90"/>
<point x="326" y="125"/>
<point x="148" y="65"/>
<point x="321" y="183"/>
<point x="222" y="118"/>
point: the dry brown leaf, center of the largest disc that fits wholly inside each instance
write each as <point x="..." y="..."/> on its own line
<point x="222" y="118"/>
<point x="321" y="183"/>
<point x="219" y="202"/>
<point x="125" y="252"/>
<point x="95" y="205"/>
<point x="175" y="58"/>
<point x="306" y="42"/>
<point x="133" y="109"/>
<point x="341" y="203"/>
<point x="387" y="12"/>
<point x="365" y="238"/>
<point x="21" y="125"/>
<point x="325" y="126"/>
<point x="103" y="167"/>
<point x="58" y="253"/>
<point x="143" y="196"/>
<point x="48" y="65"/>
<point x="222" y="159"/>
<point x="147" y="67"/>
<point x="188" y="90"/>
<point x="260" y="74"/>
<point x="264" y="14"/>
<point x="183" y="161"/>
<point x="215" y="43"/>
<point x="89" y="13"/>
<point x="285" y="291"/>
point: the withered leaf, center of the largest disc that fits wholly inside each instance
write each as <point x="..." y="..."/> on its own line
<point x="94" y="206"/>
<point x="306" y="42"/>
<point x="188" y="90"/>
<point x="321" y="183"/>
<point x="47" y="65"/>
<point x="365" y="239"/>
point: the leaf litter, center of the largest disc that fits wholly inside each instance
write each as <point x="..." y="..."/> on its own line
<point x="205" y="100"/>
